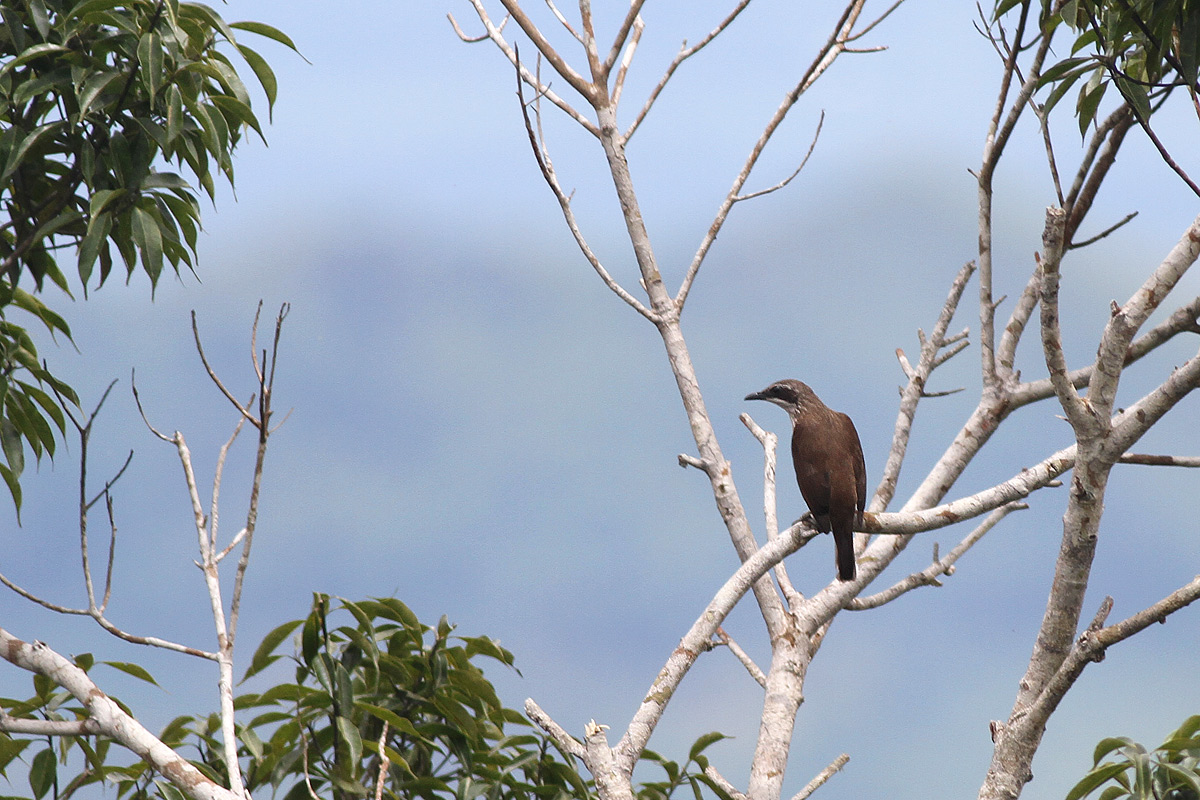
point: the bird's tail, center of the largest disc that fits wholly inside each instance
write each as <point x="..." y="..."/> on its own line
<point x="844" y="543"/>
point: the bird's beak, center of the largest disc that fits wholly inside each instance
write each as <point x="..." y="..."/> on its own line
<point x="755" y="396"/>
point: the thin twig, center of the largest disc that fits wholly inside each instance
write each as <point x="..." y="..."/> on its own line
<point x="483" y="37"/>
<point x="627" y="24"/>
<point x="741" y="655"/>
<point x="564" y="202"/>
<point x="562" y="20"/>
<point x="627" y="59"/>
<point x="834" y="46"/>
<point x="769" y="441"/>
<point x="822" y="776"/>
<point x="1110" y="229"/>
<point x="213" y="376"/>
<point x="684" y="53"/>
<point x="914" y="391"/>
<point x="384" y="762"/>
<point x="811" y="146"/>
<point x="940" y="566"/>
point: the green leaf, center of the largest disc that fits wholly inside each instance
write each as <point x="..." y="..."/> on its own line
<point x="164" y="180"/>
<point x="1106" y="746"/>
<point x="29" y="54"/>
<point x="1136" y="95"/>
<point x="93" y="87"/>
<point x="9" y="750"/>
<point x="1191" y="725"/>
<point x="263" y="29"/>
<point x="41" y="20"/>
<point x="310" y="637"/>
<point x="351" y="738"/>
<point x="1113" y="792"/>
<point x="1179" y="777"/>
<point x="264" y="73"/>
<point x="42" y="772"/>
<point x="14" y="488"/>
<point x="101" y="200"/>
<point x="238" y="111"/>
<point x="89" y="248"/>
<point x="1060" y="69"/>
<point x="135" y="670"/>
<point x="264" y="656"/>
<point x="148" y="238"/>
<point x="92" y="6"/>
<point x="168" y="790"/>
<point x="186" y="214"/>
<point x="174" y="113"/>
<point x="150" y="60"/>
<point x="48" y="405"/>
<point x="14" y="447"/>
<point x="24" y="300"/>
<point x="207" y="15"/>
<point x="1089" y="100"/>
<point x="33" y="139"/>
<point x="703" y="742"/>
<point x="1094" y="779"/>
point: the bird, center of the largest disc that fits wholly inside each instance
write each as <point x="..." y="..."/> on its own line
<point x="830" y="469"/>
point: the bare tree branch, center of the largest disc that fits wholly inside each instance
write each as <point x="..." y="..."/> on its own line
<point x="834" y="47"/>
<point x="741" y="655"/>
<point x="577" y="81"/>
<point x="568" y="743"/>
<point x="770" y="512"/>
<point x="630" y="22"/>
<point x="110" y="720"/>
<point x="684" y="53"/>
<point x="915" y="390"/>
<point x="494" y="34"/>
<point x="812" y="146"/>
<point x="822" y="776"/>
<point x="940" y="566"/>
<point x="564" y="202"/>
<point x="720" y="780"/>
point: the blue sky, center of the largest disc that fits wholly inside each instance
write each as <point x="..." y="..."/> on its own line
<point x="481" y="429"/>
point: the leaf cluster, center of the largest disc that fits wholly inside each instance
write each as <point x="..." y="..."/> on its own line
<point x="676" y="776"/>
<point x="111" y="111"/>
<point x="377" y="691"/>
<point x="1170" y="772"/>
<point x="374" y="691"/>
<point x="1145" y="48"/>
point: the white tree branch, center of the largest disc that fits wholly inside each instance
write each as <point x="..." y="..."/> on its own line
<point x="110" y="720"/>
<point x="822" y="777"/>
<point x="940" y="566"/>
<point x="770" y="511"/>
<point x="564" y="201"/>
<point x="494" y="34"/>
<point x="741" y="655"/>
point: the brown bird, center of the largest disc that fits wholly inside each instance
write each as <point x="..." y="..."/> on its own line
<point x="830" y="469"/>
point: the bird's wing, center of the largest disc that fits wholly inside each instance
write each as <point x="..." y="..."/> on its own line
<point x="860" y="464"/>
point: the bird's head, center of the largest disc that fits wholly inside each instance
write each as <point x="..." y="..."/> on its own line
<point x="789" y="394"/>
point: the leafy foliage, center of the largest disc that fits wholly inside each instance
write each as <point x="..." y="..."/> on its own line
<point x="105" y="107"/>
<point x="1170" y="772"/>
<point x="383" y="685"/>
<point x="1145" y="48"/>
<point x="370" y="682"/>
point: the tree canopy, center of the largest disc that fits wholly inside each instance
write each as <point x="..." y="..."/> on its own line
<point x="114" y="116"/>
